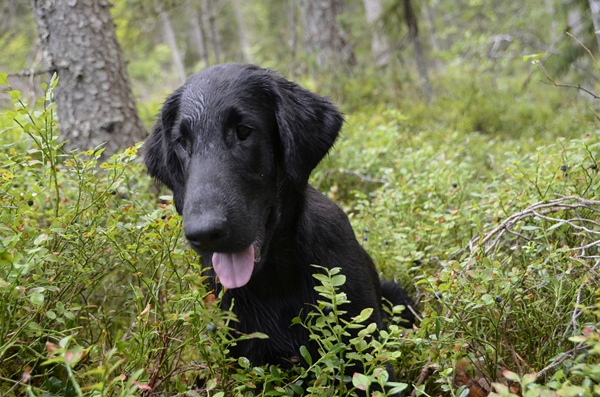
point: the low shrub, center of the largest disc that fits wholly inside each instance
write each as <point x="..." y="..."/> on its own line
<point x="497" y="237"/>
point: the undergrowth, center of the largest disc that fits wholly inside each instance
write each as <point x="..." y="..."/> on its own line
<point x="497" y="236"/>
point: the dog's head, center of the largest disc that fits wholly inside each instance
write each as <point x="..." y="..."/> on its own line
<point x="225" y="143"/>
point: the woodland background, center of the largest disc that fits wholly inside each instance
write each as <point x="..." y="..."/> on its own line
<point x="468" y="166"/>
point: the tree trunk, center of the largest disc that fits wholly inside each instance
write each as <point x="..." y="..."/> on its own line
<point x="551" y="10"/>
<point x="171" y="41"/>
<point x="595" y="8"/>
<point x="242" y="31"/>
<point x="323" y="35"/>
<point x="430" y="13"/>
<point x="212" y="31"/>
<point x="413" y="32"/>
<point x="379" y="42"/>
<point x="293" y="42"/>
<point x="93" y="96"/>
<point x="198" y="35"/>
<point x="575" y="21"/>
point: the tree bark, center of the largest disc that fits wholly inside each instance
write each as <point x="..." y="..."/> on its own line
<point x="413" y="32"/>
<point x="293" y="41"/>
<point x="595" y="8"/>
<point x="430" y="13"/>
<point x="212" y="31"/>
<point x="198" y="35"/>
<point x="94" y="98"/>
<point x="551" y="10"/>
<point x="171" y="41"/>
<point x="242" y="31"/>
<point x="379" y="42"/>
<point x="323" y="35"/>
<point x="575" y="21"/>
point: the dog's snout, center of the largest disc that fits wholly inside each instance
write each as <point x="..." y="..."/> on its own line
<point x="206" y="232"/>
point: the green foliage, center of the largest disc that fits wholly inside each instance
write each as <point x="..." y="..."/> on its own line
<point x="90" y="263"/>
<point x="489" y="217"/>
<point x="17" y="35"/>
<point x="330" y="332"/>
<point x="99" y="294"/>
<point x="503" y="279"/>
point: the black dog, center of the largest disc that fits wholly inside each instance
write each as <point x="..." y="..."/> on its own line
<point x="236" y="145"/>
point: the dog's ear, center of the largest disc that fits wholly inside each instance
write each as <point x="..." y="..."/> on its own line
<point x="308" y="126"/>
<point x="159" y="156"/>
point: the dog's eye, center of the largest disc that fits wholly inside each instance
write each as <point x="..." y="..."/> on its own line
<point x="181" y="141"/>
<point x="242" y="132"/>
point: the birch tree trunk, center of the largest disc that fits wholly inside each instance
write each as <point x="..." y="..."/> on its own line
<point x="293" y="41"/>
<point x="430" y="14"/>
<point x="242" y="32"/>
<point x="94" y="98"/>
<point x="171" y="41"/>
<point x="379" y="42"/>
<point x="198" y="35"/>
<point x="212" y="31"/>
<point x="413" y="32"/>
<point x="595" y="8"/>
<point x="323" y="35"/>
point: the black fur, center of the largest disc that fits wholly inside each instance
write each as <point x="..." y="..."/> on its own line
<point x="234" y="191"/>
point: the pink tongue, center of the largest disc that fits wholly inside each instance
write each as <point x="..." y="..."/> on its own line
<point x="234" y="269"/>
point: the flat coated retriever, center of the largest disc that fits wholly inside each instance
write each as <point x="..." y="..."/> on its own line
<point x="236" y="145"/>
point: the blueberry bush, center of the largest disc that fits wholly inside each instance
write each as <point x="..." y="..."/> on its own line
<point x="494" y="230"/>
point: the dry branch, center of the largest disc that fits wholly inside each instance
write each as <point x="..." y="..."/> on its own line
<point x="485" y="244"/>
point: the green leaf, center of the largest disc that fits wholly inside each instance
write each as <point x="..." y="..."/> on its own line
<point x="338" y="280"/>
<point x="258" y="335"/>
<point x="40" y="239"/>
<point x="527" y="379"/>
<point x="5" y="258"/>
<point x="54" y="80"/>
<point x="3" y="78"/>
<point x="360" y="381"/>
<point x="364" y="315"/>
<point x="533" y="57"/>
<point x="306" y="355"/>
<point x="556" y="225"/>
<point x="529" y="228"/>
<point x="368" y="330"/>
<point x="487" y="299"/>
<point x="37" y="297"/>
<point x="578" y="338"/>
<point x="244" y="362"/>
<point x="511" y="376"/>
<point x="14" y="94"/>
<point x="396" y="387"/>
<point x="464" y="391"/>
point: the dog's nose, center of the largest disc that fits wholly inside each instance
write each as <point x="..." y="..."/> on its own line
<point x="205" y="232"/>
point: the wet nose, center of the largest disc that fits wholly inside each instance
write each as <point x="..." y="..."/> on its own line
<point x="206" y="232"/>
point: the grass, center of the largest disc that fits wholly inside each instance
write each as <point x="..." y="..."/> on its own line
<point x="100" y="295"/>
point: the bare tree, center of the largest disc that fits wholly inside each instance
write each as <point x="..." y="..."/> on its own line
<point x="94" y="98"/>
<point x="430" y="17"/>
<point x="413" y="33"/>
<point x="242" y="31"/>
<point x="551" y="10"/>
<point x="323" y="35"/>
<point x="197" y="33"/>
<point x="595" y="8"/>
<point x="208" y="14"/>
<point x="293" y="40"/>
<point x="379" y="43"/>
<point x="171" y="40"/>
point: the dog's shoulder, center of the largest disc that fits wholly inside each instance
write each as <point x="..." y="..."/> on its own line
<point x="322" y="220"/>
<point x="325" y="233"/>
